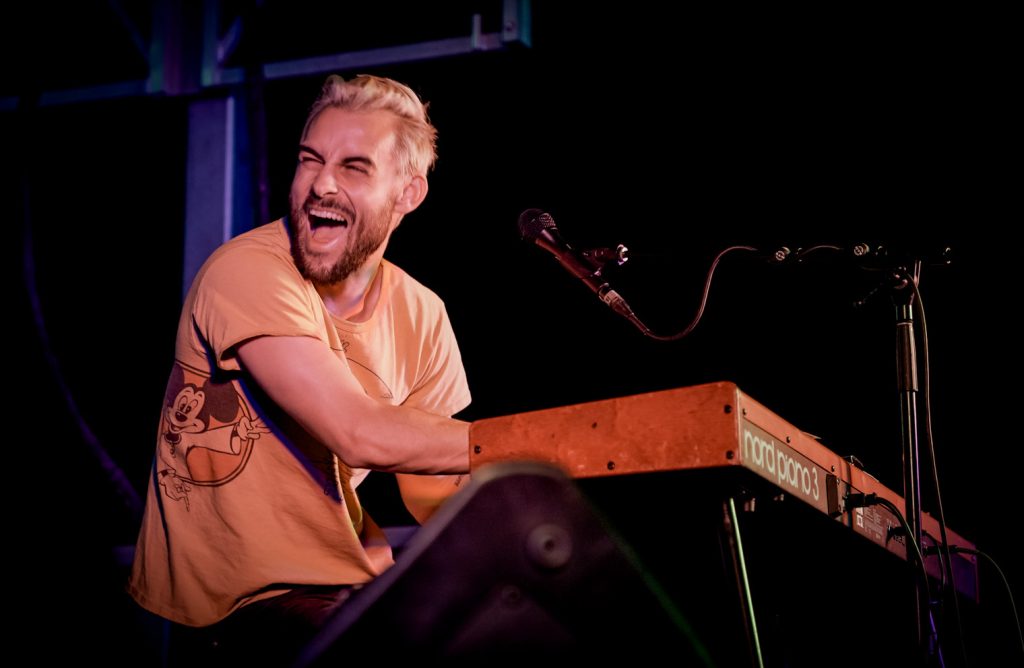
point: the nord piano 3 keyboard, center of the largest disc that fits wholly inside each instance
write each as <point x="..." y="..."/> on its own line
<point x="710" y="427"/>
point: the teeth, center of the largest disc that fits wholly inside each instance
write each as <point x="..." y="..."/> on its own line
<point x="329" y="215"/>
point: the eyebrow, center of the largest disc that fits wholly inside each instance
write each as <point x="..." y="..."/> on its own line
<point x="356" y="159"/>
<point x="305" y="149"/>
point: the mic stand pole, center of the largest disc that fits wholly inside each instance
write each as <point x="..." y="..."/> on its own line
<point x="907" y="386"/>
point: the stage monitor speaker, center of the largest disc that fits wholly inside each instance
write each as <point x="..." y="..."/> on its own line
<point x="516" y="566"/>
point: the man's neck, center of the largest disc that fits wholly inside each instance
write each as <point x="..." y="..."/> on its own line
<point x="354" y="298"/>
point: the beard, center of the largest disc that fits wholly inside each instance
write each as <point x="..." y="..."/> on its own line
<point x="364" y="238"/>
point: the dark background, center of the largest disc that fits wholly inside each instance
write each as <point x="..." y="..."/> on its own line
<point x="676" y="133"/>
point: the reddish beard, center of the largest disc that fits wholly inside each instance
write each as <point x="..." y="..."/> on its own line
<point x="365" y="236"/>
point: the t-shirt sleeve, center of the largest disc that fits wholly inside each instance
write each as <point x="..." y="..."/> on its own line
<point x="247" y="293"/>
<point x="442" y="389"/>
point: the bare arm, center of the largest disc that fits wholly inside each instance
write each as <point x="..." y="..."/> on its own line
<point x="318" y="390"/>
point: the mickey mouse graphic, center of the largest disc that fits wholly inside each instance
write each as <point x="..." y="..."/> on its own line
<point x="206" y="431"/>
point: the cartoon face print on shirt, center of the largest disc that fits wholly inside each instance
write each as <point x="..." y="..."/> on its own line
<point x="206" y="433"/>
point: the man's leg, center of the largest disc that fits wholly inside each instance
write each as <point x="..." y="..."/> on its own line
<point x="269" y="632"/>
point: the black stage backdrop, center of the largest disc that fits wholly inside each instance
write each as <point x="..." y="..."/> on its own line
<point x="676" y="137"/>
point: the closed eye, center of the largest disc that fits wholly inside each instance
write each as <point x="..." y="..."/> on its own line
<point x="306" y="155"/>
<point x="360" y="164"/>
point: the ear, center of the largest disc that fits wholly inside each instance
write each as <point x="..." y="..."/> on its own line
<point x="412" y="195"/>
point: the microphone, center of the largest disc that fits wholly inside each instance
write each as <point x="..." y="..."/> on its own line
<point x="539" y="227"/>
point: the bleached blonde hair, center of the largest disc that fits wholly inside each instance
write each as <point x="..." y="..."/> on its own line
<point x="415" y="138"/>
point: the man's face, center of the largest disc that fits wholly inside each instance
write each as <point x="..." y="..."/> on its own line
<point x="343" y="195"/>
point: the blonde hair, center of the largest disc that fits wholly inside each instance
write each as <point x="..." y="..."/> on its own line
<point x="415" y="138"/>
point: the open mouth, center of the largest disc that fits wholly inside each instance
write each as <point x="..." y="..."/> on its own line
<point x="324" y="218"/>
<point x="327" y="226"/>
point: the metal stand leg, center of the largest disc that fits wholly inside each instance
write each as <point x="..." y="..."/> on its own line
<point x="731" y="525"/>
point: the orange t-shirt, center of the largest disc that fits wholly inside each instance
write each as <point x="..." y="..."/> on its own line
<point x="243" y="503"/>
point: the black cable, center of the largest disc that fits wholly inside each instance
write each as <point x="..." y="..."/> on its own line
<point x="782" y="255"/>
<point x="700" y="310"/>
<point x="926" y="398"/>
<point x="1006" y="583"/>
<point x="800" y="253"/>
<point x="857" y="500"/>
<point x="941" y="553"/>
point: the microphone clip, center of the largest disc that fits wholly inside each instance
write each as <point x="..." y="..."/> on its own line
<point x="599" y="258"/>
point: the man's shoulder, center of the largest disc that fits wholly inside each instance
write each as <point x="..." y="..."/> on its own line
<point x="404" y="286"/>
<point x="270" y="238"/>
<point x="259" y="249"/>
<point x="257" y="261"/>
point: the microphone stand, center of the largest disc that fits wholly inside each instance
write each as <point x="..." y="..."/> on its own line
<point x="907" y="389"/>
<point x="898" y="281"/>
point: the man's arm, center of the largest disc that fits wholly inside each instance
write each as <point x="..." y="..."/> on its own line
<point x="318" y="390"/>
<point x="424" y="494"/>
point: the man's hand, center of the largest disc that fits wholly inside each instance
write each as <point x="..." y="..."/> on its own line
<point x="424" y="494"/>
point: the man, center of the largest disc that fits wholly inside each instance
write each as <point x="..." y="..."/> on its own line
<point x="303" y="360"/>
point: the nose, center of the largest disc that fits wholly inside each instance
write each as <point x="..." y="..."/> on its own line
<point x="325" y="184"/>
